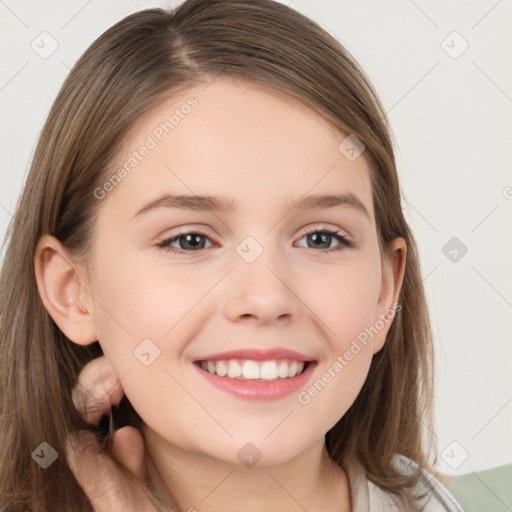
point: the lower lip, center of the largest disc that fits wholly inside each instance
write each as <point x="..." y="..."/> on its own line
<point x="258" y="390"/>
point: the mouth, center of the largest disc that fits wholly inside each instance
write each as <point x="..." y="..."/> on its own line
<point x="253" y="379"/>
<point x="253" y="370"/>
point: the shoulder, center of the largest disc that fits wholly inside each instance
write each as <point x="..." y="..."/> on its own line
<point x="436" y="497"/>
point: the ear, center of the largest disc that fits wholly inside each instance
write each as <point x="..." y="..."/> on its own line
<point x="60" y="282"/>
<point x="393" y="268"/>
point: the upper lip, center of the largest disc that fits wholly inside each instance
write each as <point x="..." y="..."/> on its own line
<point x="258" y="355"/>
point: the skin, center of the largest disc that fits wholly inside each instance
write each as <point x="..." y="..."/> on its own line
<point x="266" y="151"/>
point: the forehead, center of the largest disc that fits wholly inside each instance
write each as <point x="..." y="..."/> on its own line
<point x="239" y="140"/>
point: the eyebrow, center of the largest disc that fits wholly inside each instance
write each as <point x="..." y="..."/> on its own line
<point x="209" y="203"/>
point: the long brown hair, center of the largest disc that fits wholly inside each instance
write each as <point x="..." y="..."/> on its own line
<point x="138" y="62"/>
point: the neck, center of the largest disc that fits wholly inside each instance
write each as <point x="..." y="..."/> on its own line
<point x="191" y="482"/>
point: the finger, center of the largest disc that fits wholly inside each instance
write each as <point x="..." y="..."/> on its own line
<point x="95" y="472"/>
<point x="102" y="480"/>
<point x="97" y="389"/>
<point x="128" y="449"/>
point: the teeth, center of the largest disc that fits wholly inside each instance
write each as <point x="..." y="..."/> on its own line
<point x="283" y="370"/>
<point x="234" y="369"/>
<point x="221" y="369"/>
<point x="254" y="370"/>
<point x="251" y="370"/>
<point x="268" y="370"/>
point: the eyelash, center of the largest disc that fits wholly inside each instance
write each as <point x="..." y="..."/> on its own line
<point x="344" y="242"/>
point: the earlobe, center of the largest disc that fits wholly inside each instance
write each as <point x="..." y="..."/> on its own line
<point x="393" y="269"/>
<point x="62" y="292"/>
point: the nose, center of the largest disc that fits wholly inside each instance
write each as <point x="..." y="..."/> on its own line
<point x="261" y="292"/>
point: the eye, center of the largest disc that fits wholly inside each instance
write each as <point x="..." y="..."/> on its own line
<point x="324" y="236"/>
<point x="194" y="241"/>
<point x="189" y="240"/>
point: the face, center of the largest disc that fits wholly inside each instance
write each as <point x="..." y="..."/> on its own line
<point x="180" y="282"/>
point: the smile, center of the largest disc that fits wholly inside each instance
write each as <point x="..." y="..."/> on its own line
<point x="254" y="370"/>
<point x="255" y="380"/>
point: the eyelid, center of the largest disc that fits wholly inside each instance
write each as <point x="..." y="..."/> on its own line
<point x="202" y="230"/>
<point x="313" y="228"/>
<point x="183" y="230"/>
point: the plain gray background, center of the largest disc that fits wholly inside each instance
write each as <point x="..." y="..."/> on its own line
<point x="450" y="108"/>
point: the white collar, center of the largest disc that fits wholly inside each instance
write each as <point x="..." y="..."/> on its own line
<point x="368" y="497"/>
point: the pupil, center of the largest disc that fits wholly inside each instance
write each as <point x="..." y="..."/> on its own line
<point x="193" y="241"/>
<point x="322" y="236"/>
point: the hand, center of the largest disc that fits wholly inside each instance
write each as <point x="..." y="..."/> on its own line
<point x="112" y="483"/>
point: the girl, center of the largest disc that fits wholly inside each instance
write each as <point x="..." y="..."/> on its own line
<point x="213" y="214"/>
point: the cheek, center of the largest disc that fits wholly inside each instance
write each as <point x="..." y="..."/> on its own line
<point x="340" y="375"/>
<point x="344" y="299"/>
<point x="138" y="302"/>
<point x="145" y="317"/>
<point x="347" y="311"/>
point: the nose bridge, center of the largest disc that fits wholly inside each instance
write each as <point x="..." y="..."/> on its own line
<point x="259" y="260"/>
<point x="259" y="282"/>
